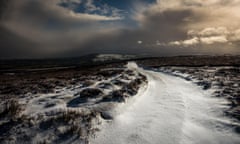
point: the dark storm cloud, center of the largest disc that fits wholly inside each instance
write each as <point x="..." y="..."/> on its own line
<point x="40" y="28"/>
<point x="165" y="28"/>
<point x="13" y="46"/>
<point x="160" y="26"/>
<point x="51" y="28"/>
<point x="3" y="5"/>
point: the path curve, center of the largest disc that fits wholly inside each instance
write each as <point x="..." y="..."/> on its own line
<point x="170" y="111"/>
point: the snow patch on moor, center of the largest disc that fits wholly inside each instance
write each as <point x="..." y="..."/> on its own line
<point x="70" y="114"/>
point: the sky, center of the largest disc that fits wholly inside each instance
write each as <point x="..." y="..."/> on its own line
<point x="69" y="28"/>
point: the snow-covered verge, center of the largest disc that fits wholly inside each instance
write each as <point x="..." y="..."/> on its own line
<point x="68" y="114"/>
<point x="224" y="82"/>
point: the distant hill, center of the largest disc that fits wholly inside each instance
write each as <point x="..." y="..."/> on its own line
<point x="111" y="57"/>
<point x="83" y="61"/>
<point x="92" y="60"/>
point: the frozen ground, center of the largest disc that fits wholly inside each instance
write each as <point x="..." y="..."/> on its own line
<point x="171" y="111"/>
<point x="122" y="105"/>
<point x="67" y="114"/>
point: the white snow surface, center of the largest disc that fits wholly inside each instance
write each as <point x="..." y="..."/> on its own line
<point x="170" y="111"/>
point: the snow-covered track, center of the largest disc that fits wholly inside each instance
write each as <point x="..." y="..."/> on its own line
<point x="170" y="111"/>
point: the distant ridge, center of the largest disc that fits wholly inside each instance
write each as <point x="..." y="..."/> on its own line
<point x="92" y="60"/>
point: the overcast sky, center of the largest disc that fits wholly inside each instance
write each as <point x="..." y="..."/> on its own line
<point x="65" y="28"/>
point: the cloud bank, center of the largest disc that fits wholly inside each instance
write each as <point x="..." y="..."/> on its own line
<point x="75" y="27"/>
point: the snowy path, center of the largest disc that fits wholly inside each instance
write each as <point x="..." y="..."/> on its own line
<point x="170" y="111"/>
